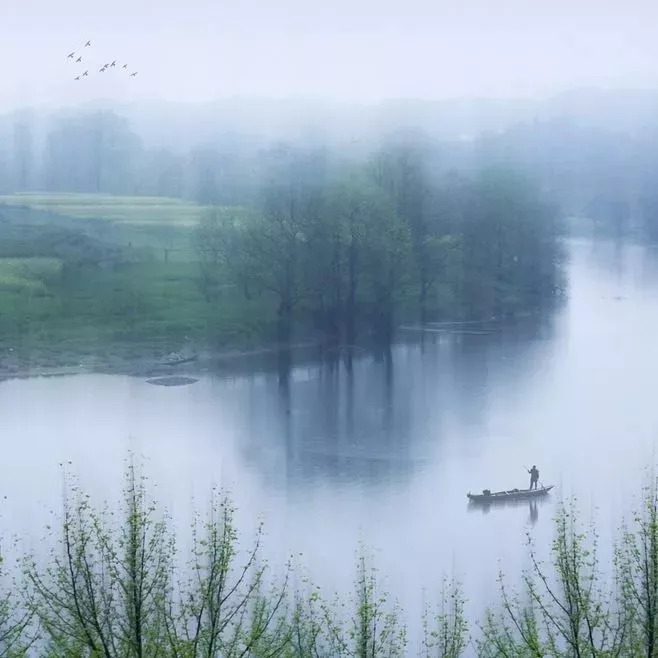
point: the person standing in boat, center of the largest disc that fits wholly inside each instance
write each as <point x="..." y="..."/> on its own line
<point x="534" y="477"/>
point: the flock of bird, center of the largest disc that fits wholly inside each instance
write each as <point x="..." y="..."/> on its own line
<point x="105" y="67"/>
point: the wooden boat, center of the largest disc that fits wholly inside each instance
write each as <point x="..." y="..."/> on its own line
<point x="513" y="494"/>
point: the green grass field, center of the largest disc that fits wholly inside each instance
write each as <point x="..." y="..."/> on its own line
<point x="154" y="223"/>
<point x="56" y="311"/>
<point x="130" y="210"/>
<point x="29" y="275"/>
<point x="141" y="308"/>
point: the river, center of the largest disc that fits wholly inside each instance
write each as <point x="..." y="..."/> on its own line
<point x="384" y="453"/>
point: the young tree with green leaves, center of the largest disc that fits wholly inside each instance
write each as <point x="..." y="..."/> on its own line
<point x="637" y="560"/>
<point x="566" y="608"/>
<point x="103" y="591"/>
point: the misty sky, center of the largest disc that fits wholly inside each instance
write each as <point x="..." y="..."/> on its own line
<point x="366" y="50"/>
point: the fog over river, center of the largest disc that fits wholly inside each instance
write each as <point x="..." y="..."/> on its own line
<point x="383" y="454"/>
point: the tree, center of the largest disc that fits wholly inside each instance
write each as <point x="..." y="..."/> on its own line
<point x="637" y="559"/>
<point x="355" y="240"/>
<point x="221" y="174"/>
<point x="566" y="610"/>
<point x="17" y="634"/>
<point x="445" y="633"/>
<point x="375" y="628"/>
<point x="116" y="589"/>
<point x="223" y="608"/>
<point x="275" y="245"/>
<point x="92" y="153"/>
<point x="23" y="154"/>
<point x="510" y="252"/>
<point x="162" y="174"/>
<point x="277" y="241"/>
<point x="401" y="169"/>
<point x="104" y="593"/>
<point x="220" y="242"/>
<point x="262" y="249"/>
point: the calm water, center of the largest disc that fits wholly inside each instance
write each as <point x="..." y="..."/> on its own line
<point x="385" y="454"/>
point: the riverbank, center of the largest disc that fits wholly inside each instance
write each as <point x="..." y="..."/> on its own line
<point x="159" y="357"/>
<point x="112" y="284"/>
<point x="141" y="360"/>
<point x="58" y="321"/>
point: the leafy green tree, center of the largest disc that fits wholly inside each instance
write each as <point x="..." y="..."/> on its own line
<point x="223" y="607"/>
<point x="357" y="252"/>
<point x="509" y="246"/>
<point x="374" y="630"/>
<point x="17" y="632"/>
<point x="102" y="593"/>
<point x="401" y="170"/>
<point x="220" y="242"/>
<point x="445" y="633"/>
<point x="265" y="249"/>
<point x="565" y="608"/>
<point x="637" y="560"/>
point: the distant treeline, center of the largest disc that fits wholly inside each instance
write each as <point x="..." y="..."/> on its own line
<point x="607" y="175"/>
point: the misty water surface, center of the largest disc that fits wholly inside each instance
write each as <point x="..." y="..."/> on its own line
<point x="384" y="455"/>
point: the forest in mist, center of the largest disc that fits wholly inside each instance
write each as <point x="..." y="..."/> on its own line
<point x="593" y="152"/>
<point x="253" y="220"/>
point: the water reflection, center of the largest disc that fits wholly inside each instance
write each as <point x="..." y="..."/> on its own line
<point x="352" y="445"/>
<point x="380" y="416"/>
<point x="534" y="511"/>
<point x="532" y="505"/>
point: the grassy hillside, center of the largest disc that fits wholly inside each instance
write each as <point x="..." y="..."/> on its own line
<point x="83" y="275"/>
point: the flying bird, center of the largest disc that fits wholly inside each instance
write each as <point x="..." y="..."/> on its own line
<point x="88" y="44"/>
<point x="78" y="78"/>
<point x="85" y="74"/>
<point x="78" y="60"/>
<point x="114" y="63"/>
<point x="71" y="55"/>
<point x="125" y="66"/>
<point x="132" y="75"/>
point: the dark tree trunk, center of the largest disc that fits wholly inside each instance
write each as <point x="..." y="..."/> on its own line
<point x="350" y="306"/>
<point x="423" y="305"/>
<point x="284" y="322"/>
<point x="284" y="365"/>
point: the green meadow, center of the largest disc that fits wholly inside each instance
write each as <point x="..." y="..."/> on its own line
<point x="84" y="274"/>
<point x="129" y="210"/>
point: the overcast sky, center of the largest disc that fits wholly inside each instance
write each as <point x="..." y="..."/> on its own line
<point x="343" y="49"/>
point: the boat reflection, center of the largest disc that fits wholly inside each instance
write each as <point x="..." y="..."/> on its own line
<point x="532" y="505"/>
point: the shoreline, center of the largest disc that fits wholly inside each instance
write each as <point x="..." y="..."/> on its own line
<point x="147" y="358"/>
<point x="139" y="364"/>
